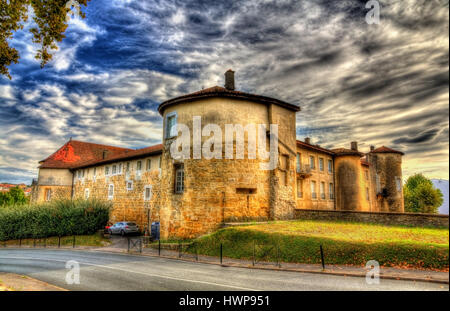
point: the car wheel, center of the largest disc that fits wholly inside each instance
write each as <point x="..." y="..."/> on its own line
<point x="110" y="232"/>
<point x="122" y="233"/>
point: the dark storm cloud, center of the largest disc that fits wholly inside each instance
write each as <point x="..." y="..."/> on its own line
<point x="383" y="84"/>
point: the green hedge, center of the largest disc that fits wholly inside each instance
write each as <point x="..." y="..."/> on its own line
<point x="57" y="218"/>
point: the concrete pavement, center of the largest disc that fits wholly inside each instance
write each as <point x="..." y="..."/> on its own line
<point x="113" y="271"/>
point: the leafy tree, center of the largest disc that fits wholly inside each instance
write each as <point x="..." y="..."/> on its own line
<point x="13" y="196"/>
<point x="50" y="18"/>
<point x="420" y="195"/>
<point x="5" y="199"/>
<point x="18" y="195"/>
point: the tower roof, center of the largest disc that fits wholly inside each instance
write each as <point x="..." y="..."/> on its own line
<point x="384" y="149"/>
<point x="345" y="151"/>
<point x="218" y="91"/>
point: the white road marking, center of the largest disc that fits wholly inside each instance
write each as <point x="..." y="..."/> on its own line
<point x="143" y="273"/>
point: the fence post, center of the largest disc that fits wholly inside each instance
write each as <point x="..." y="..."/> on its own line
<point x="179" y="249"/>
<point x="128" y="239"/>
<point x="45" y="242"/>
<point x="140" y="245"/>
<point x="74" y="241"/>
<point x="321" y="256"/>
<point x="253" y="261"/>
<point x="20" y="242"/>
<point x="278" y="256"/>
<point x="159" y="247"/>
<point x="34" y="242"/>
<point x="221" y="253"/>
<point x="196" y="252"/>
<point x="59" y="242"/>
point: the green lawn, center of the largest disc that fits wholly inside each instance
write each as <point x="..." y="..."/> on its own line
<point x="80" y="240"/>
<point x="343" y="243"/>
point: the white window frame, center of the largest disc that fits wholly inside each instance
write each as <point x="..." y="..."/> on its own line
<point x="321" y="164"/>
<point x="312" y="164"/>
<point x="330" y="166"/>
<point x="398" y="184"/>
<point x="110" y="195"/>
<point x="322" y="190"/>
<point x="119" y="170"/>
<point x="145" y="193"/>
<point x="86" y="193"/>
<point x="171" y="132"/>
<point x="148" y="165"/>
<point x="129" y="182"/>
<point x="107" y="171"/>
<point x="313" y="190"/>
<point x="48" y="194"/>
<point x="180" y="189"/>
<point x="114" y="170"/>
<point x="331" y="191"/>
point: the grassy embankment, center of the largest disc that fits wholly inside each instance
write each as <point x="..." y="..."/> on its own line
<point x="343" y="243"/>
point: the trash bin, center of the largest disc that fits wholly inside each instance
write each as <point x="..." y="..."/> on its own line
<point x="155" y="230"/>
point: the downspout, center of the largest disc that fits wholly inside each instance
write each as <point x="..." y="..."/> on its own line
<point x="272" y="190"/>
<point x="72" y="190"/>
<point x="334" y="184"/>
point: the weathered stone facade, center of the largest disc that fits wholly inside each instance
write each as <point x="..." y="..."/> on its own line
<point x="194" y="195"/>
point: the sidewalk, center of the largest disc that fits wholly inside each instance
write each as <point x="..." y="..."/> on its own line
<point x="15" y="282"/>
<point x="343" y="270"/>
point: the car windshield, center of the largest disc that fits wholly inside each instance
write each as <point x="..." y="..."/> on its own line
<point x="131" y="224"/>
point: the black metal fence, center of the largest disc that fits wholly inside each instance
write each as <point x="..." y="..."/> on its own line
<point x="59" y="242"/>
<point x="260" y="254"/>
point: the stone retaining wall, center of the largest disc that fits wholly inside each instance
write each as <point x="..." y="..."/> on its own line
<point x="386" y="218"/>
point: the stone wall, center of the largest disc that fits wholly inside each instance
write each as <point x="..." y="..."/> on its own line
<point x="386" y="218"/>
<point x="128" y="202"/>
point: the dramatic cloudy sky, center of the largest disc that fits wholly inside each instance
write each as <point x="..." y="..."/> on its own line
<point x="383" y="84"/>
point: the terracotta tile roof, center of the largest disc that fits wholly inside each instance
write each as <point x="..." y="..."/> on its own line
<point x="345" y="151"/>
<point x="314" y="147"/>
<point x="127" y="155"/>
<point x="384" y="149"/>
<point x="217" y="91"/>
<point x="75" y="152"/>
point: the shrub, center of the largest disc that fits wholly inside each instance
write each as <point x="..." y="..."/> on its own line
<point x="59" y="218"/>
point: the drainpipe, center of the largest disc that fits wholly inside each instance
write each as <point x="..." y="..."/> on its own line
<point x="73" y="182"/>
<point x="334" y="185"/>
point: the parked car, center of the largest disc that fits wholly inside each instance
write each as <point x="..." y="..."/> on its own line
<point x="123" y="228"/>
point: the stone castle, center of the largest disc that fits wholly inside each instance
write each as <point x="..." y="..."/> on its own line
<point x="191" y="196"/>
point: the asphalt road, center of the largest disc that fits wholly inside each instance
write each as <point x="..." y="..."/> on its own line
<point x="111" y="271"/>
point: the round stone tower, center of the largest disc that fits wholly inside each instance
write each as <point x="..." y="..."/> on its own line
<point x="205" y="187"/>
<point x="347" y="164"/>
<point x="386" y="167"/>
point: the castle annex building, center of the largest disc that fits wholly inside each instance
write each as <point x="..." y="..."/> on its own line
<point x="190" y="197"/>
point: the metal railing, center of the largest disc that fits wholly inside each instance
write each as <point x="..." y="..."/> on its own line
<point x="304" y="169"/>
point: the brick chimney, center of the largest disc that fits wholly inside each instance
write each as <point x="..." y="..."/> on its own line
<point x="308" y="140"/>
<point x="229" y="80"/>
<point x="354" y="146"/>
